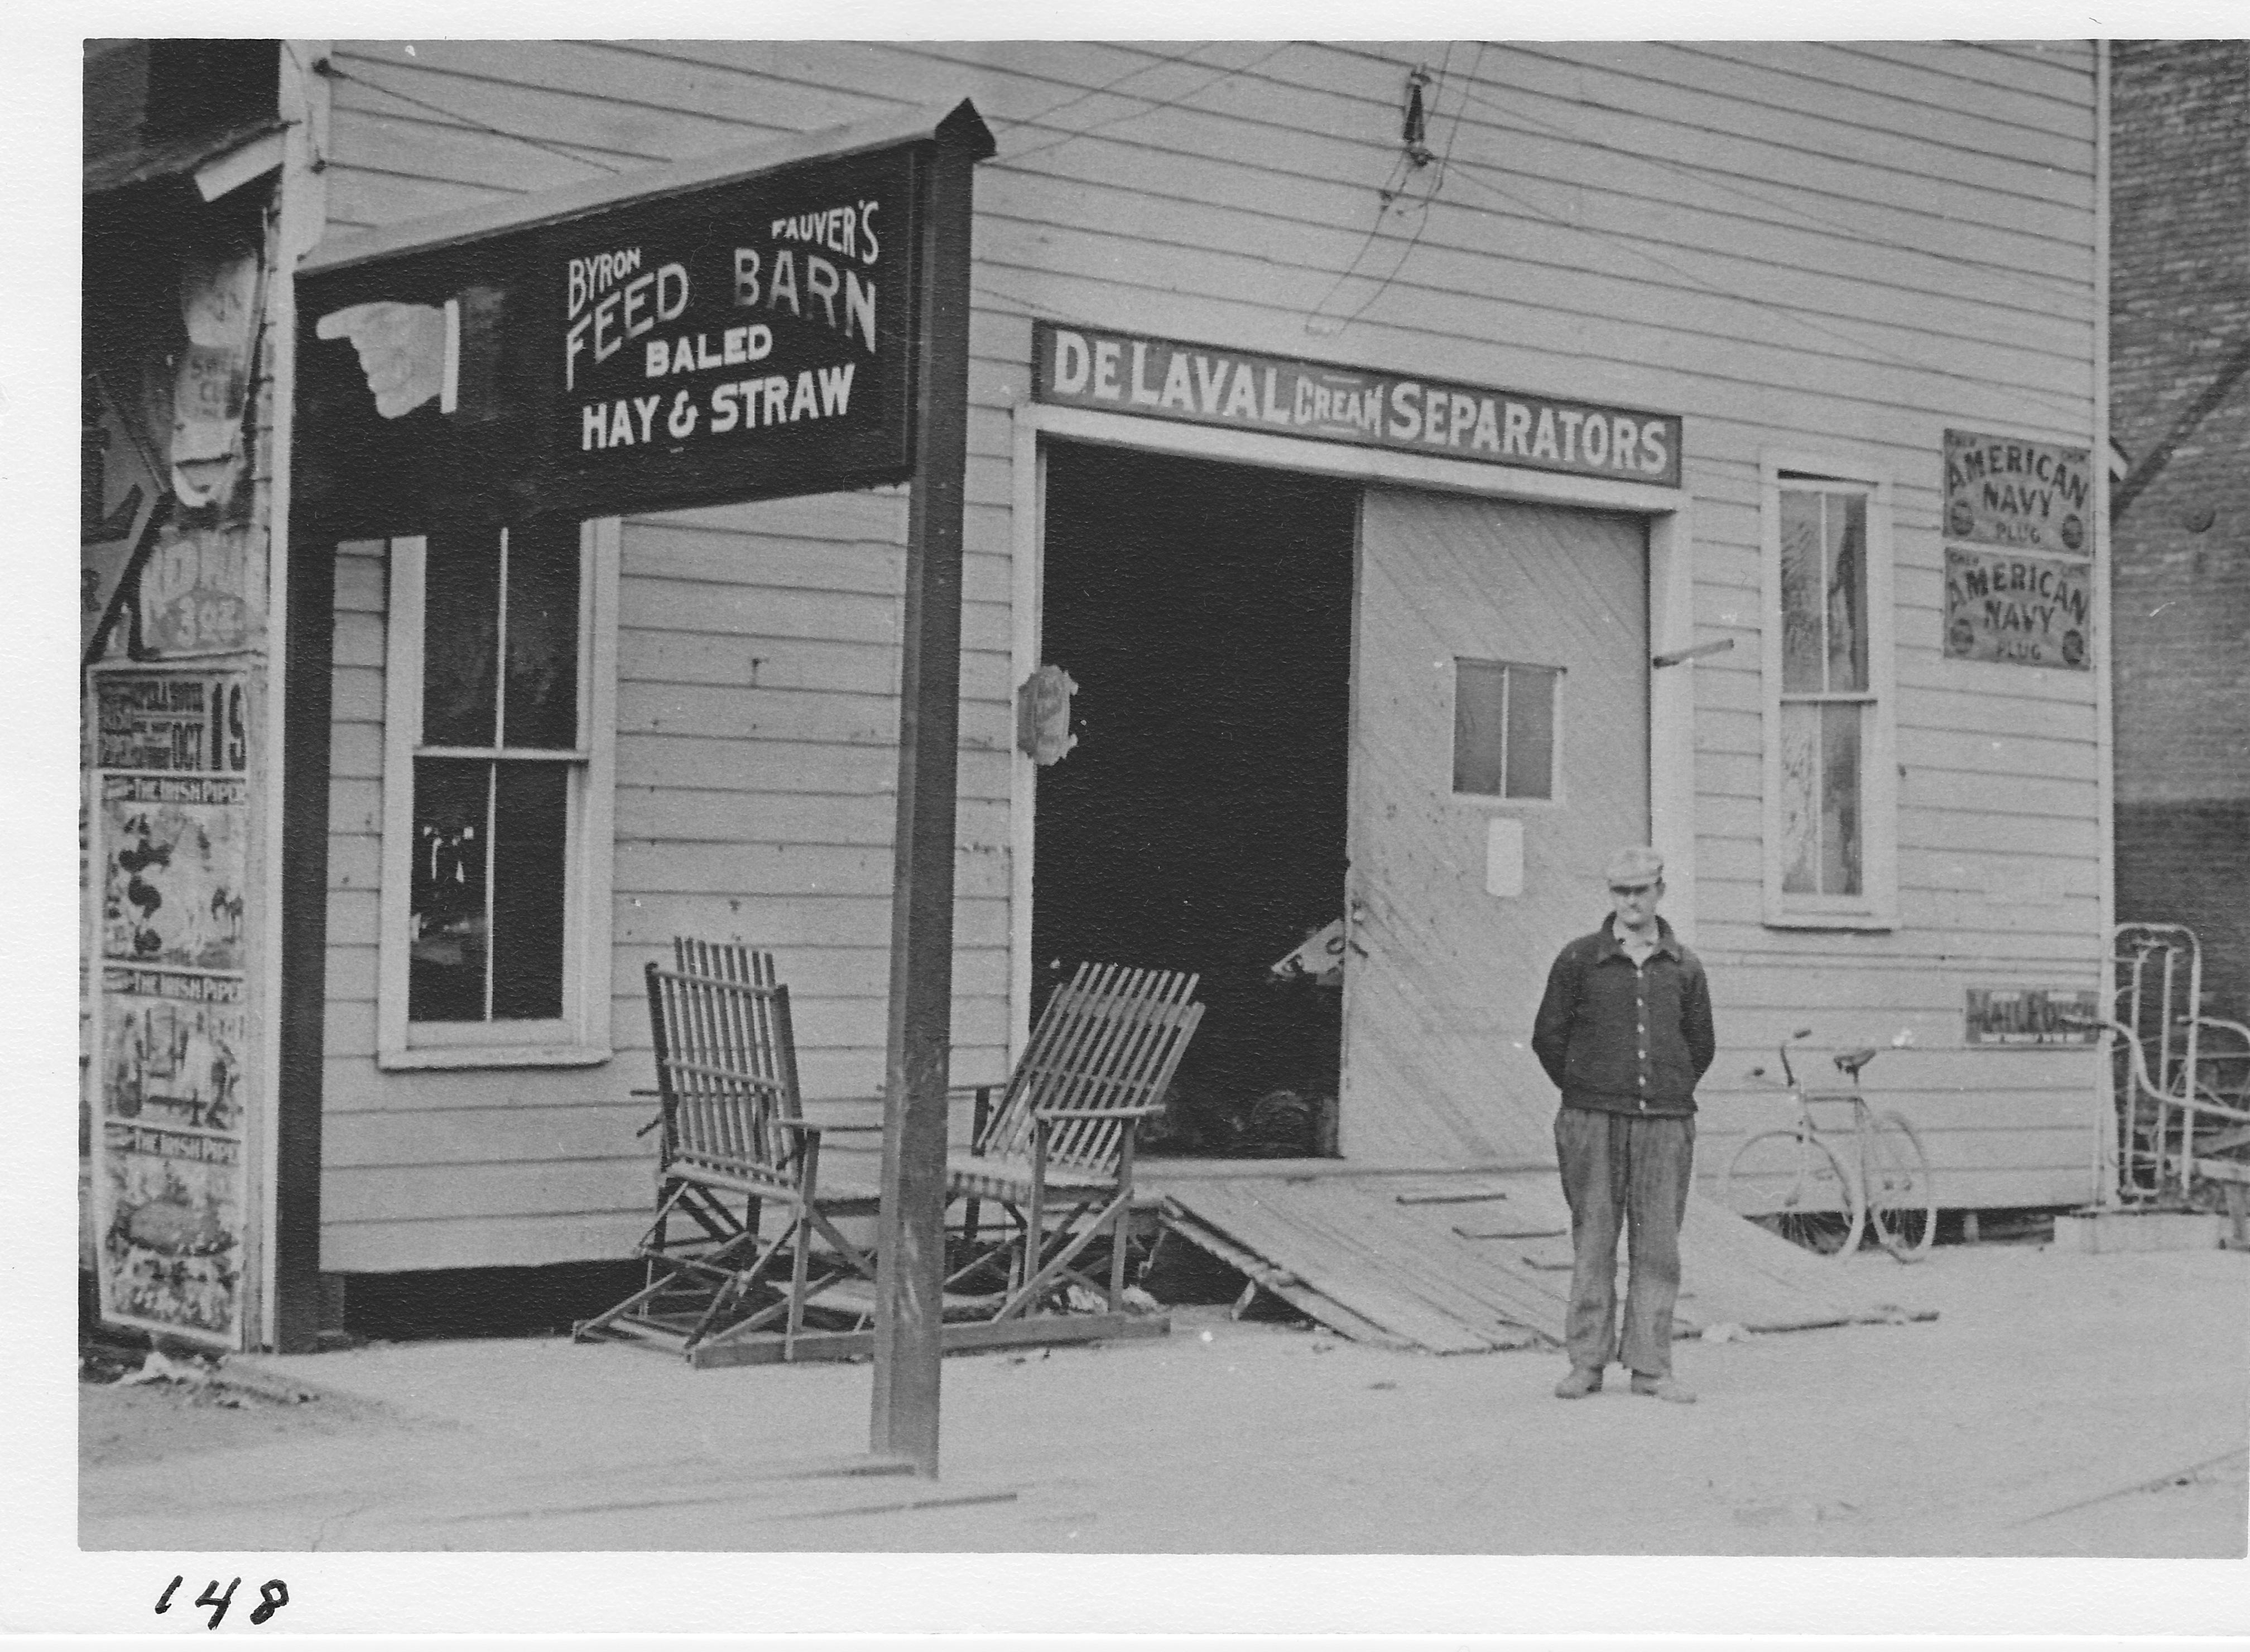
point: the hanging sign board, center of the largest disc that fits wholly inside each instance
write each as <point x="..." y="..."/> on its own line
<point x="170" y="823"/>
<point x="2018" y="610"/>
<point x="2021" y="1015"/>
<point x="1202" y="384"/>
<point x="740" y="339"/>
<point x="2000" y="490"/>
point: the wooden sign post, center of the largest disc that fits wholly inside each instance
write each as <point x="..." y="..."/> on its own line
<point x="911" y="1253"/>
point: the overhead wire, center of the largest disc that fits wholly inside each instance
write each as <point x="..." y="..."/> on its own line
<point x="1386" y="200"/>
<point x="1789" y="313"/>
<point x="1469" y="93"/>
<point x="329" y="67"/>
<point x="2056" y="286"/>
<point x="1154" y="106"/>
<point x="1437" y="185"/>
<point x="1135" y="72"/>
<point x="980" y="284"/>
<point x="1714" y="178"/>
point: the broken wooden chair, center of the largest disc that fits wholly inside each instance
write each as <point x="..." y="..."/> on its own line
<point x="1056" y="1154"/>
<point x="732" y="1140"/>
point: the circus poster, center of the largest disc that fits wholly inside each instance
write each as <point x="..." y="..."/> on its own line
<point x="174" y="862"/>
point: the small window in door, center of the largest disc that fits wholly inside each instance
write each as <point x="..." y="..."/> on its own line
<point x="1504" y="729"/>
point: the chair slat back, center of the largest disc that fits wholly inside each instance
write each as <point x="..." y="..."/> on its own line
<point x="725" y="1061"/>
<point x="1111" y="1037"/>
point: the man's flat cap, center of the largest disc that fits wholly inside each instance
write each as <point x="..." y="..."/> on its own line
<point x="1635" y="866"/>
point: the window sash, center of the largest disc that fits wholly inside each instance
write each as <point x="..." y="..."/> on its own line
<point x="1823" y="767"/>
<point x="580" y="861"/>
<point x="1831" y="779"/>
<point x="498" y="953"/>
<point x="1507" y="730"/>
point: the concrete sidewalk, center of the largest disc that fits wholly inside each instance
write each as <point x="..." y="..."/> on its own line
<point x="2026" y="1419"/>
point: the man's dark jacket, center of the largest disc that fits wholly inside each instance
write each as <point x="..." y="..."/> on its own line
<point x="1619" y="1038"/>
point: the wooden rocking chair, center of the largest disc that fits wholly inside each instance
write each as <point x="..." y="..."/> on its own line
<point x="1061" y="1138"/>
<point x="732" y="1139"/>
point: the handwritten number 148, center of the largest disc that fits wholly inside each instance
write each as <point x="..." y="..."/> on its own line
<point x="272" y="1595"/>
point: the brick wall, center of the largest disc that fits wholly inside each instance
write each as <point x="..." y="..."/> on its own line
<point x="2180" y="326"/>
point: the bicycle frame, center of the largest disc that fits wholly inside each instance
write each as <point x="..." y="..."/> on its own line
<point x="1877" y="1185"/>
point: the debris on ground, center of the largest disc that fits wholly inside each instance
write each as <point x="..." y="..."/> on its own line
<point x="157" y="1368"/>
<point x="1798" y="1511"/>
<point x="1728" y="1331"/>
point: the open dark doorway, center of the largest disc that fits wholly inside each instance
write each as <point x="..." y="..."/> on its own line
<point x="1205" y="612"/>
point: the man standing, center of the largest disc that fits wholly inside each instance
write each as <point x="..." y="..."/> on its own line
<point x="1625" y="1031"/>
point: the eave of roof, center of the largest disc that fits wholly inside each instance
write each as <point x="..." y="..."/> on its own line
<point x="174" y="157"/>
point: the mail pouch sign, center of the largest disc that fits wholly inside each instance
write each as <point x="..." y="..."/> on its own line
<point x="739" y="340"/>
<point x="1204" y="385"/>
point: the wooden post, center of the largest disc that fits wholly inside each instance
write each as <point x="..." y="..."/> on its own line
<point x="911" y="1253"/>
<point x="308" y="663"/>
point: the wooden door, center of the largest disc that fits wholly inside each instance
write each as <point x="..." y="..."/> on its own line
<point x="1446" y="976"/>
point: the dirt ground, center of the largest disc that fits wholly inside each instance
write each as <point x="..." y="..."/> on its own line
<point x="122" y="1426"/>
<point x="2059" y="1405"/>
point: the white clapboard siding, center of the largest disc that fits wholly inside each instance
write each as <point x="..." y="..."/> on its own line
<point x="1810" y="247"/>
<point x="755" y="774"/>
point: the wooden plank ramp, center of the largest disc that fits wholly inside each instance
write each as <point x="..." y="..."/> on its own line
<point x="1453" y="1261"/>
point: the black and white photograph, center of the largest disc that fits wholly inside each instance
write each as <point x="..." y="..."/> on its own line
<point x="1101" y="804"/>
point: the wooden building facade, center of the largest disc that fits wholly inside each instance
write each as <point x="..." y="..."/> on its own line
<point x="1686" y="444"/>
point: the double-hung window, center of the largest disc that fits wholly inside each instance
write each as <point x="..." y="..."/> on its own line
<point x="500" y="707"/>
<point x="1831" y="781"/>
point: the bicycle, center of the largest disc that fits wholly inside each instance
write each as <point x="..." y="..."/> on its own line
<point x="1792" y="1183"/>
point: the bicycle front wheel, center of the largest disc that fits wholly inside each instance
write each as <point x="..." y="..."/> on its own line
<point x="1793" y="1184"/>
<point x="1902" y="1200"/>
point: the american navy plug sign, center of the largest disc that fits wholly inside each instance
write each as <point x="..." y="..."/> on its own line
<point x="2005" y="602"/>
<point x="2026" y="495"/>
<point x="737" y="340"/>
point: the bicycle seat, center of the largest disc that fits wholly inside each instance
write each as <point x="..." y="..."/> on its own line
<point x="1850" y="1062"/>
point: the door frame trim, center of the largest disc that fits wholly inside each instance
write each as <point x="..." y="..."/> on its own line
<point x="1667" y="512"/>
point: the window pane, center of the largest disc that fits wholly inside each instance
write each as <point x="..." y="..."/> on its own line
<point x="1800" y="815"/>
<point x="460" y="633"/>
<point x="446" y="969"/>
<point x="1802" y="571"/>
<point x="1479" y="722"/>
<point x="1840" y="799"/>
<point x="531" y="834"/>
<point x="1847" y="534"/>
<point x="1531" y="731"/>
<point x="543" y="636"/>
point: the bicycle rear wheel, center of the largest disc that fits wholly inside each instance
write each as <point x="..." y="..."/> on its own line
<point x="1793" y="1184"/>
<point x="1902" y="1200"/>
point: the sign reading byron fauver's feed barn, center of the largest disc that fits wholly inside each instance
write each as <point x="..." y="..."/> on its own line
<point x="739" y="340"/>
<point x="2031" y="496"/>
<point x="1242" y="390"/>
